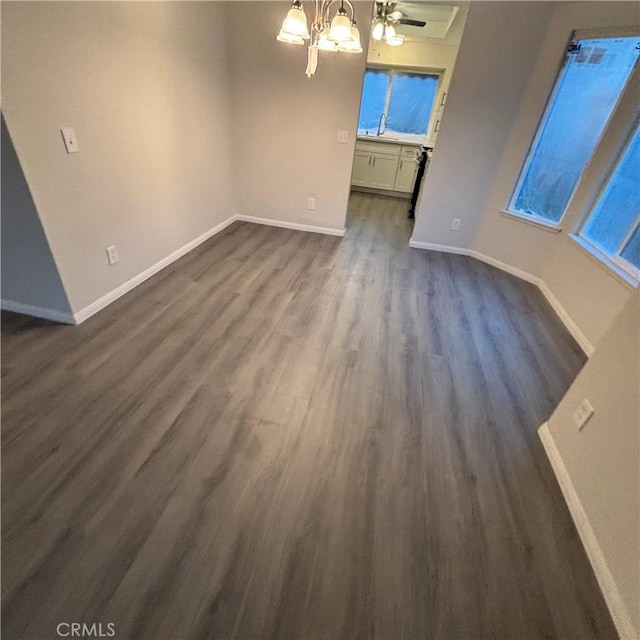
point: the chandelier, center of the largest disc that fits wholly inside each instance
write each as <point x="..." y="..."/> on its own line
<point x="339" y="33"/>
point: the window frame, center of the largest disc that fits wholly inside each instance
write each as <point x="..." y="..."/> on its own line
<point x="540" y="221"/>
<point x="423" y="71"/>
<point x="615" y="262"/>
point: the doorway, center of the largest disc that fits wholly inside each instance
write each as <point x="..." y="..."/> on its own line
<point x="410" y="59"/>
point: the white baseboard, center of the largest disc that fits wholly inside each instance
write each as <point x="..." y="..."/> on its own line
<point x="112" y="296"/>
<point x="429" y="246"/>
<point x="296" y="226"/>
<point x="610" y="591"/>
<point x="503" y="266"/>
<point x="38" y="312"/>
<point x="569" y="323"/>
<point x="118" y="292"/>
<point x="573" y="328"/>
<point x="383" y="192"/>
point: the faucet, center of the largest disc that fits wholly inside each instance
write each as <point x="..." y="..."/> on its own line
<point x="382" y="123"/>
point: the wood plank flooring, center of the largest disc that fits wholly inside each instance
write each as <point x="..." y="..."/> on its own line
<point x="290" y="435"/>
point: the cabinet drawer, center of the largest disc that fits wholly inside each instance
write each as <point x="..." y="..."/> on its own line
<point x="409" y="152"/>
<point x="390" y="156"/>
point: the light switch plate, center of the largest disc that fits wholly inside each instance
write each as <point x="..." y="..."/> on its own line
<point x="70" y="139"/>
<point x="582" y="414"/>
<point x="112" y="255"/>
<point x="343" y="136"/>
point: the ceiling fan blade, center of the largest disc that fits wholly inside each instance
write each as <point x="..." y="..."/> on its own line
<point x="412" y="23"/>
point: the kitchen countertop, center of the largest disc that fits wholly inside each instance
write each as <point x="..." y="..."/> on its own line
<point x="382" y="139"/>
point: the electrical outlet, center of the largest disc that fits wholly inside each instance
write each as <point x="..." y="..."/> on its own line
<point x="343" y="136"/>
<point x="455" y="224"/>
<point x="112" y="254"/>
<point x="311" y="204"/>
<point x="583" y="414"/>
<point x="70" y="140"/>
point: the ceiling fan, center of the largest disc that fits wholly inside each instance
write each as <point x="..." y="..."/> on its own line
<point x="389" y="11"/>
<point x="387" y="15"/>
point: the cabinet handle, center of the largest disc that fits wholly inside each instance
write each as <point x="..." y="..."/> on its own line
<point x="401" y="163"/>
<point x="374" y="161"/>
<point x="435" y="129"/>
<point x="444" y="97"/>
<point x="369" y="160"/>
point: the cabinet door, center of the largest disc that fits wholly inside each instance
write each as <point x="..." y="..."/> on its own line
<point x="361" y="172"/>
<point x="383" y="171"/>
<point x="406" y="175"/>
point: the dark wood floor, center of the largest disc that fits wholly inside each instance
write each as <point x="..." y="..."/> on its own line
<point x="290" y="435"/>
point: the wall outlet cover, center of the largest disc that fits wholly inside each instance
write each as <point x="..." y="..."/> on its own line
<point x="70" y="139"/>
<point x="583" y="414"/>
<point x="455" y="224"/>
<point x="343" y="136"/>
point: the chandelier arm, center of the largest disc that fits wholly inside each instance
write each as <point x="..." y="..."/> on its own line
<point x="353" y="11"/>
<point x="327" y="5"/>
<point x="321" y="8"/>
<point x="317" y="23"/>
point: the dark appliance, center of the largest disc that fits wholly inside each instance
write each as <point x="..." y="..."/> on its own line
<point x="422" y="159"/>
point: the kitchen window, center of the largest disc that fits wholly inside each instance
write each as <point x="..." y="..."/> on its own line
<point x="593" y="77"/>
<point x="397" y="103"/>
<point x="612" y="230"/>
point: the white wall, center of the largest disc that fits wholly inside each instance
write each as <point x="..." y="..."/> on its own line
<point x="494" y="62"/>
<point x="146" y="87"/>
<point x="29" y="274"/>
<point x="603" y="460"/>
<point x="285" y="125"/>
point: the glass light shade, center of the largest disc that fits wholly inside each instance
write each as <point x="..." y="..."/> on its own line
<point x="353" y="46"/>
<point x="340" y="28"/>
<point x="324" y="44"/>
<point x="296" y="22"/>
<point x="289" y="38"/>
<point x="396" y="41"/>
<point x="390" y="32"/>
<point x="378" y="30"/>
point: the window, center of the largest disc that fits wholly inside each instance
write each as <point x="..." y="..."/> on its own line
<point x="613" y="227"/>
<point x="595" y="73"/>
<point x="405" y="100"/>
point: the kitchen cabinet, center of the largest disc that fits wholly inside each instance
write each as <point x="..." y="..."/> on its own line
<point x="406" y="174"/>
<point x="360" y="175"/>
<point x="383" y="171"/>
<point x="383" y="165"/>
